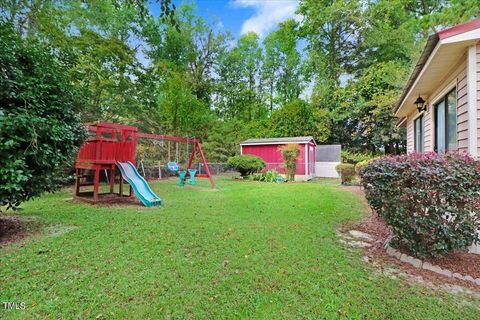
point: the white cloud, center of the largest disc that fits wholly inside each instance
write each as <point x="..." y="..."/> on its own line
<point x="268" y="13"/>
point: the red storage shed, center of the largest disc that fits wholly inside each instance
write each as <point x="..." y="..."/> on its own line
<point x="268" y="150"/>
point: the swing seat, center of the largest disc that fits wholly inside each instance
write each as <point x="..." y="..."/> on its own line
<point x="181" y="176"/>
<point x="191" y="173"/>
<point x="172" y="166"/>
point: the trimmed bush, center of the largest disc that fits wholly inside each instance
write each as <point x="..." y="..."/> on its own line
<point x="246" y="164"/>
<point x="430" y="201"/>
<point x="346" y="172"/>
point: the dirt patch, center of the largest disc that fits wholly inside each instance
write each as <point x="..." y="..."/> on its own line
<point x="58" y="230"/>
<point x="354" y="189"/>
<point x="461" y="262"/>
<point x="109" y="200"/>
<point x="14" y="229"/>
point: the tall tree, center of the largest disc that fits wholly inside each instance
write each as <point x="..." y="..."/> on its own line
<point x="240" y="90"/>
<point x="282" y="65"/>
<point x="332" y="29"/>
<point x="96" y="35"/>
<point x="270" y="70"/>
<point x="299" y="118"/>
<point x="183" y="61"/>
<point x="251" y="57"/>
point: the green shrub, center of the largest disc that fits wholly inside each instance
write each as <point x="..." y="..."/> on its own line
<point x="346" y="172"/>
<point x="267" y="176"/>
<point x="39" y="128"/>
<point x="246" y="164"/>
<point x="290" y="153"/>
<point x="430" y="201"/>
<point x="355" y="157"/>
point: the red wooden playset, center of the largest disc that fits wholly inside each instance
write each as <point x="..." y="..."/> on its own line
<point x="115" y="143"/>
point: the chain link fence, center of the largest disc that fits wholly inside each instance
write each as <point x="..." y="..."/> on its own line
<point x="160" y="171"/>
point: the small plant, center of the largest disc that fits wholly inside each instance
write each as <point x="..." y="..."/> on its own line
<point x="431" y="201"/>
<point x="246" y="164"/>
<point x="267" y="176"/>
<point x="290" y="153"/>
<point x="346" y="172"/>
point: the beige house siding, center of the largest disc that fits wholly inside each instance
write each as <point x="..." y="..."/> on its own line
<point x="458" y="78"/>
<point x="478" y="97"/>
<point x="428" y="131"/>
<point x="462" y="111"/>
<point x="410" y="143"/>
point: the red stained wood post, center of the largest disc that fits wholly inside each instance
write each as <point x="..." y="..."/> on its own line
<point x="207" y="170"/>
<point x="77" y="182"/>
<point x="198" y="147"/>
<point x="120" y="187"/>
<point x="112" y="178"/>
<point x="96" y="184"/>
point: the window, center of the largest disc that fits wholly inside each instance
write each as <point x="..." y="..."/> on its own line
<point x="418" y="133"/>
<point x="446" y="123"/>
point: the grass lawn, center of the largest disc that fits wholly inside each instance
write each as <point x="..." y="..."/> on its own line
<point x="248" y="250"/>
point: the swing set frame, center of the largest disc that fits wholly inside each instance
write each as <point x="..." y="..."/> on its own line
<point x="197" y="147"/>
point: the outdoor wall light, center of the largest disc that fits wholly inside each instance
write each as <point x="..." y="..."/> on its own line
<point x="420" y="103"/>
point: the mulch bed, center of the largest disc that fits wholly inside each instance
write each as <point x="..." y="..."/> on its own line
<point x="14" y="229"/>
<point x="462" y="262"/>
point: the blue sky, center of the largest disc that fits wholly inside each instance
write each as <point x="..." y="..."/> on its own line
<point x="241" y="16"/>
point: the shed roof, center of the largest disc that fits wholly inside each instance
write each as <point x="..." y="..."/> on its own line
<point x="284" y="140"/>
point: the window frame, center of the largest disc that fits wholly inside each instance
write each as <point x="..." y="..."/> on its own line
<point x="444" y="99"/>
<point x="421" y="120"/>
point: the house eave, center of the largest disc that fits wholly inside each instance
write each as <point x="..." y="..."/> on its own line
<point x="425" y="58"/>
<point x="440" y="51"/>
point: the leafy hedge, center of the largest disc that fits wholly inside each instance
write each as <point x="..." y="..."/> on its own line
<point x="39" y="127"/>
<point x="246" y="164"/>
<point x="431" y="201"/>
<point x="355" y="157"/>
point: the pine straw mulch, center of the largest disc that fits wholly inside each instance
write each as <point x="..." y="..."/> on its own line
<point x="462" y="262"/>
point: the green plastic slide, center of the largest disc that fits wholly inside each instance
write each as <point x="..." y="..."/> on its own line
<point x="139" y="185"/>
